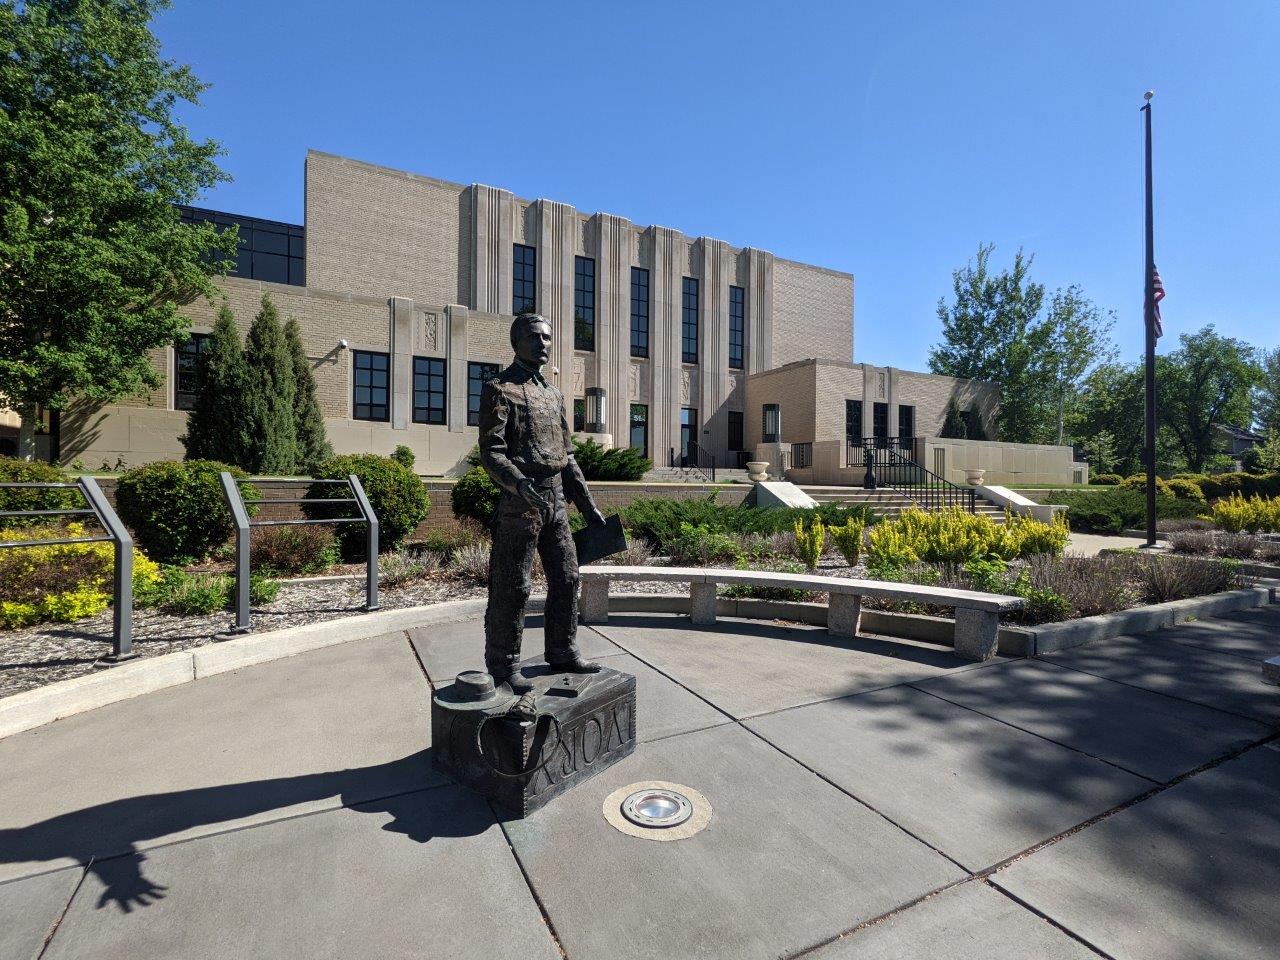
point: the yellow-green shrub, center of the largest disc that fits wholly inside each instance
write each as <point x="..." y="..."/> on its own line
<point x="1139" y="482"/>
<point x="848" y="538"/>
<point x="1235" y="514"/>
<point x="809" y="542"/>
<point x="63" y="582"/>
<point x="1184" y="488"/>
<point x="890" y="547"/>
<point x="956" y="536"/>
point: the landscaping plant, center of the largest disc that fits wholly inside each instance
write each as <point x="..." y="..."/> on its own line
<point x="809" y="542"/>
<point x="475" y="495"/>
<point x="13" y="470"/>
<point x="395" y="492"/>
<point x="400" y="566"/>
<point x="620" y="463"/>
<point x="295" y="550"/>
<point x="177" y="511"/>
<point x="848" y="539"/>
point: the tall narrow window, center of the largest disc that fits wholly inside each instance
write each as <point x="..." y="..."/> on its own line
<point x="428" y="390"/>
<point x="689" y="321"/>
<point x="579" y="415"/>
<point x="186" y="385"/>
<point x="640" y="427"/>
<point x="477" y="374"/>
<point x="524" y="278"/>
<point x="372" y="385"/>
<point x="735" y="430"/>
<point x="771" y="427"/>
<point x="880" y="424"/>
<point x="906" y="421"/>
<point x="853" y="421"/>
<point x="737" y="327"/>
<point x="639" y="312"/>
<point x="584" y="303"/>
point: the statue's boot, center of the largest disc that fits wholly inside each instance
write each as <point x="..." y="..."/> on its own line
<point x="574" y="665"/>
<point x="516" y="682"/>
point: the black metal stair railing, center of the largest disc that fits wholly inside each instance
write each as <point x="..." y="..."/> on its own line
<point x="694" y="457"/>
<point x="890" y="462"/>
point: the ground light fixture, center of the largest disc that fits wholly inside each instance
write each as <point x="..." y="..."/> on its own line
<point x="657" y="810"/>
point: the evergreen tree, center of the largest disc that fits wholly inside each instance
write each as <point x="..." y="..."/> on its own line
<point x="974" y="426"/>
<point x="308" y="418"/>
<point x="269" y="388"/>
<point x="215" y="425"/>
<point x="953" y="425"/>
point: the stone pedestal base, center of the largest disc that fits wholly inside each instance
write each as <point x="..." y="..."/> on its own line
<point x="702" y="604"/>
<point x="585" y="723"/>
<point x="977" y="633"/>
<point x="844" y="615"/>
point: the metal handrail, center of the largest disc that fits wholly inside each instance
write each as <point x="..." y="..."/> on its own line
<point x="887" y="466"/>
<point x="696" y="456"/>
<point x="240" y="514"/>
<point x="116" y="532"/>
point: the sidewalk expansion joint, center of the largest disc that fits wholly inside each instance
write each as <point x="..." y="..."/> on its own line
<point x="1048" y="919"/>
<point x="63" y="915"/>
<point x="533" y="891"/>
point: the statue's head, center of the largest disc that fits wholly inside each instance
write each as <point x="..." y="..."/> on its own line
<point x="531" y="339"/>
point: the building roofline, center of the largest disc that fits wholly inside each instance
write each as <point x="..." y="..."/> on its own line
<point x="849" y="365"/>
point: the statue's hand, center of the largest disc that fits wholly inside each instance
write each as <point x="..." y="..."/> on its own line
<point x="595" y="517"/>
<point x="529" y="493"/>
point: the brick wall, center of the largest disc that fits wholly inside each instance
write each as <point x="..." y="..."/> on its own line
<point x="812" y="313"/>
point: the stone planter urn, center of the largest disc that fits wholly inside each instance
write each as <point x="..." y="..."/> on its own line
<point x="757" y="470"/>
<point x="974" y="475"/>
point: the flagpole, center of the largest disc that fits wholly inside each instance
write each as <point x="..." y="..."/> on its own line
<point x="1148" y="310"/>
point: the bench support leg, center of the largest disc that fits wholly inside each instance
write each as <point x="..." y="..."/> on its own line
<point x="977" y="632"/>
<point x="702" y="604"/>
<point x="844" y="615"/>
<point x="593" y="607"/>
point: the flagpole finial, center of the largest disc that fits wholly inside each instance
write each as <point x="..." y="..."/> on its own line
<point x="1148" y="95"/>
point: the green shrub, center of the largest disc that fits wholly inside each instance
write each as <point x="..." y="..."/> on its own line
<point x="199" y="594"/>
<point x="699" y="545"/>
<point x="1106" y="479"/>
<point x="1185" y="489"/>
<point x="476" y="496"/>
<point x="1245" y="484"/>
<point x="13" y="470"/>
<point x="955" y="537"/>
<point x="1120" y="508"/>
<point x="809" y="542"/>
<point x="404" y="455"/>
<point x="1044" y="605"/>
<point x="177" y="511"/>
<point x="792" y="594"/>
<point x="1256" y="515"/>
<point x="395" y="492"/>
<point x="1139" y="482"/>
<point x="300" y="549"/>
<point x="658" y="519"/>
<point x="620" y="463"/>
<point x="848" y="539"/>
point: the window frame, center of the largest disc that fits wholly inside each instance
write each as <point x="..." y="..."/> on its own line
<point x="689" y="295"/>
<point x="910" y="432"/>
<point x="852" y="423"/>
<point x="478" y="371"/>
<point x="640" y="317"/>
<point x="202" y="340"/>
<point x="737" y="327"/>
<point x="431" y="407"/>
<point x="524" y="278"/>
<point x="370" y="405"/>
<point x="584" y="303"/>
<point x="735" y="429"/>
<point x="643" y="421"/>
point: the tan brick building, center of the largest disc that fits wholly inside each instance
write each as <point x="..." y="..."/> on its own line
<point x="405" y="286"/>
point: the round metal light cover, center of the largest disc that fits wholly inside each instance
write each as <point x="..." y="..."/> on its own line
<point x="657" y="808"/>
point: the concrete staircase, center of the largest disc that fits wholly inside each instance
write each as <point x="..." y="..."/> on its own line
<point x="886" y="502"/>
<point x="694" y="475"/>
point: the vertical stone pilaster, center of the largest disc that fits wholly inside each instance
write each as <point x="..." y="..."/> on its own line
<point x="611" y="248"/>
<point x="401" y="362"/>
<point x="713" y="344"/>
<point x="557" y="224"/>
<point x="455" y="319"/>
<point x="759" y="346"/>
<point x="492" y="216"/>
<point x="666" y="269"/>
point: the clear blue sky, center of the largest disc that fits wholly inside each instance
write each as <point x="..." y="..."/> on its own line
<point x="884" y="139"/>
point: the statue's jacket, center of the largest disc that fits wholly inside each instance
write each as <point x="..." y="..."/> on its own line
<point x="524" y="433"/>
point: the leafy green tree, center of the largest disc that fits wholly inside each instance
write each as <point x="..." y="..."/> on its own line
<point x="1209" y="380"/>
<point x="1100" y="451"/>
<point x="95" y="259"/>
<point x="1076" y="336"/>
<point x="1266" y="398"/>
<point x="953" y="425"/>
<point x="269" y="389"/>
<point x="308" y="419"/>
<point x="215" y="425"/>
<point x="1111" y="402"/>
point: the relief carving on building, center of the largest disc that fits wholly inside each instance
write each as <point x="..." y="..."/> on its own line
<point x="579" y="377"/>
<point x="430" y="326"/>
<point x="688" y="386"/>
<point x="881" y="392"/>
<point x="733" y="384"/>
<point x="633" y="384"/>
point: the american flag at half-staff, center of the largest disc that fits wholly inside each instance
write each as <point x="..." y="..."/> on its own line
<point x="1157" y="294"/>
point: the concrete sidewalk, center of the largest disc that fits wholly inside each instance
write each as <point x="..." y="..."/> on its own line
<point x="871" y="798"/>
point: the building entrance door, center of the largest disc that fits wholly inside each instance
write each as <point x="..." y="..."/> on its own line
<point x="688" y="435"/>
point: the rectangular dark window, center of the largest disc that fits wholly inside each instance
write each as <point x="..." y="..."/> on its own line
<point x="579" y="415"/>
<point x="689" y="320"/>
<point x="428" y="390"/>
<point x="524" y="278"/>
<point x="735" y="430"/>
<point x="265" y="249"/>
<point x="906" y="421"/>
<point x="640" y="427"/>
<point x="477" y="374"/>
<point x="639" y="312"/>
<point x="584" y="303"/>
<point x="771" y="424"/>
<point x="880" y="423"/>
<point x="186" y="367"/>
<point x="371" y="397"/>
<point x="853" y="421"/>
<point x="737" y="327"/>
<point x="688" y="436"/>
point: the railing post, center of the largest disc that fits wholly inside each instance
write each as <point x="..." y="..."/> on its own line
<point x="869" y="456"/>
<point x="122" y="575"/>
<point x="235" y="502"/>
<point x="713" y="469"/>
<point x="371" y="542"/>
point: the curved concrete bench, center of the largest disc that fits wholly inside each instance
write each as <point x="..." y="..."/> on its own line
<point x="977" y="614"/>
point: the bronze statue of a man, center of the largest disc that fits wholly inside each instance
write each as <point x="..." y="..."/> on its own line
<point x="525" y="447"/>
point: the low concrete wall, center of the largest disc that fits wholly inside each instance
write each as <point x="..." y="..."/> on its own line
<point x="1005" y="463"/>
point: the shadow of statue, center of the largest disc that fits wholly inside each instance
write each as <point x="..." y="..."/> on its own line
<point x="108" y="838"/>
